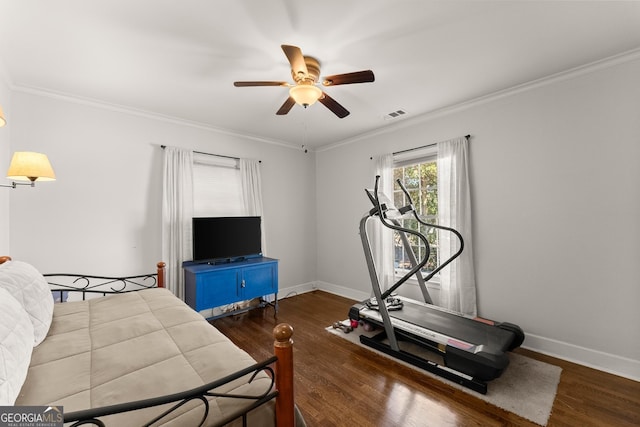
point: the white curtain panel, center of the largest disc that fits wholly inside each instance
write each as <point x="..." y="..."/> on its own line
<point x="458" y="284"/>
<point x="252" y="192"/>
<point x="381" y="236"/>
<point x="177" y="212"/>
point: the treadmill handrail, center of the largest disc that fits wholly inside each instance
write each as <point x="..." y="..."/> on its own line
<point x="379" y="211"/>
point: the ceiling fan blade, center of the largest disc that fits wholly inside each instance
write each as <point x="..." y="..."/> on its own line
<point x="286" y="107"/>
<point x="365" y="76"/>
<point x="333" y="105"/>
<point x="247" y="84"/>
<point x="296" y="59"/>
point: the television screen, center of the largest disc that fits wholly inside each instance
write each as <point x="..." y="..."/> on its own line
<point x="220" y="238"/>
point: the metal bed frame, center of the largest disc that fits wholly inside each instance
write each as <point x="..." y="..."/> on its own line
<point x="279" y="367"/>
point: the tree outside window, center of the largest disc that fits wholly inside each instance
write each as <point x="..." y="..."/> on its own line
<point x="421" y="182"/>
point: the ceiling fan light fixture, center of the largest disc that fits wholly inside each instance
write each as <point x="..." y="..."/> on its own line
<point x="305" y="71"/>
<point x="305" y="94"/>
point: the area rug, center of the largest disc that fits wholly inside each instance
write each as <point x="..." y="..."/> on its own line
<point x="527" y="387"/>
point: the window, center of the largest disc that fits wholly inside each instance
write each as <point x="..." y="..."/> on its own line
<point x="420" y="178"/>
<point x="217" y="189"/>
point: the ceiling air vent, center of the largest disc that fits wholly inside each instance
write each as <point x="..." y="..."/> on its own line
<point x="395" y="114"/>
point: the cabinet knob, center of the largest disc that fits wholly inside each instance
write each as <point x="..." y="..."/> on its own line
<point x="242" y="284"/>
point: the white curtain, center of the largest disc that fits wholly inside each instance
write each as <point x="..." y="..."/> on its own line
<point x="381" y="236"/>
<point x="177" y="212"/>
<point x="252" y="192"/>
<point x="458" y="285"/>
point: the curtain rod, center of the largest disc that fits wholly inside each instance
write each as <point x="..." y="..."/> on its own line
<point x="422" y="146"/>
<point x="211" y="154"/>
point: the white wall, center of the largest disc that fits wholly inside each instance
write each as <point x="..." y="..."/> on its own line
<point x="5" y="159"/>
<point x="103" y="213"/>
<point x="555" y="180"/>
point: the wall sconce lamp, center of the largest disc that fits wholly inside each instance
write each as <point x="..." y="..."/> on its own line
<point x="29" y="166"/>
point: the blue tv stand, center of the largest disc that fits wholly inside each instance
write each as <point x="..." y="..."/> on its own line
<point x="211" y="285"/>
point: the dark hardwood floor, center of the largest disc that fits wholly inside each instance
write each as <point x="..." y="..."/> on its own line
<point x="342" y="384"/>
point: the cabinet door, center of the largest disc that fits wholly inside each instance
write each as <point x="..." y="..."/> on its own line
<point x="216" y="288"/>
<point x="258" y="280"/>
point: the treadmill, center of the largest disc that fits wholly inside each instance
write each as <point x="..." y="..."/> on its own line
<point x="465" y="350"/>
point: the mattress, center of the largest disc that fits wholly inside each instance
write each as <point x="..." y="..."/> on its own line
<point x="134" y="346"/>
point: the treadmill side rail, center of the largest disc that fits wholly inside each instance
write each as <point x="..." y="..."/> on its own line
<point x="464" y="380"/>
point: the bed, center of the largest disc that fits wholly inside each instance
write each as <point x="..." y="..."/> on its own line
<point x="124" y="351"/>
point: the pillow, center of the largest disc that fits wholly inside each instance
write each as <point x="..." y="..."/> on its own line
<point x="16" y="345"/>
<point x="30" y="289"/>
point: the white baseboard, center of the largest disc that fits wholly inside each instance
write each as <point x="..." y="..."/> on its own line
<point x="595" y="359"/>
<point x="343" y="291"/>
<point x="322" y="286"/>
<point x="606" y="362"/>
<point x="292" y="291"/>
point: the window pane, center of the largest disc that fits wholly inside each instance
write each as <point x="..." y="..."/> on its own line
<point x="398" y="199"/>
<point x="421" y="182"/>
<point x="217" y="191"/>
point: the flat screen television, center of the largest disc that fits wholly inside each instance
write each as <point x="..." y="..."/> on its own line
<point x="225" y="239"/>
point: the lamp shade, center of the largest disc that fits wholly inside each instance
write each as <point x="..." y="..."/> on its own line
<point x="29" y="166"/>
<point x="2" y="119"/>
<point x="305" y="94"/>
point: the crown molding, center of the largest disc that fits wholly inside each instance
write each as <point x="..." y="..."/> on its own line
<point x="622" y="58"/>
<point x="592" y="67"/>
<point x="32" y="90"/>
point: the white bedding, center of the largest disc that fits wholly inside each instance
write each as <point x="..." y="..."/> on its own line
<point x="16" y="344"/>
<point x="27" y="285"/>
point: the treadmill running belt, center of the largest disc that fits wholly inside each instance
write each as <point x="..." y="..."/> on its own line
<point x="493" y="339"/>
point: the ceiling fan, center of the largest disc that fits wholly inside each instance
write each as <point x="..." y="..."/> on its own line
<point x="305" y="71"/>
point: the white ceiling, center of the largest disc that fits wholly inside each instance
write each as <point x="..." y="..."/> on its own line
<point x="179" y="59"/>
